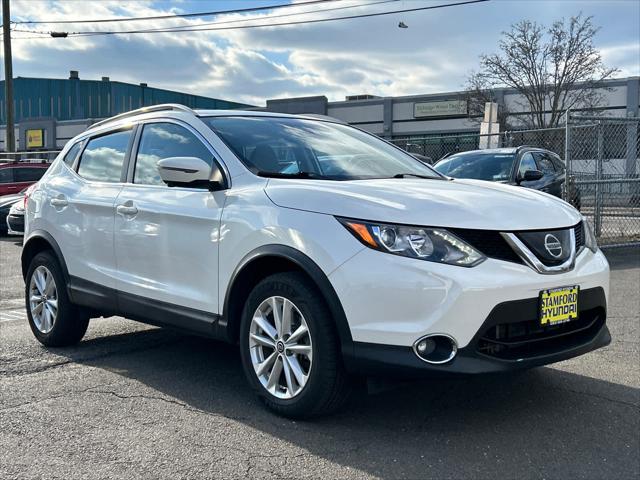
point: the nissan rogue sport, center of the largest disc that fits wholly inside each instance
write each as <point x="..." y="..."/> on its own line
<point x="325" y="252"/>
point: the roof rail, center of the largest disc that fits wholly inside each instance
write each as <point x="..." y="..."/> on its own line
<point x="323" y="117"/>
<point x="152" y="108"/>
<point x="519" y="147"/>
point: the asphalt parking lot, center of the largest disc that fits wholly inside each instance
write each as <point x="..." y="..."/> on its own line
<point x="140" y="402"/>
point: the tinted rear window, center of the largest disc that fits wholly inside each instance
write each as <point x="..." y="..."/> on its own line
<point x="6" y="175"/>
<point x="28" y="174"/>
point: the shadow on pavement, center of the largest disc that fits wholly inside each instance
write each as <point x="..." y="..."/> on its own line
<point x="541" y="423"/>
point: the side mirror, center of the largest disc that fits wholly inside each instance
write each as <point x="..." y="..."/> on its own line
<point x="531" y="176"/>
<point x="190" y="172"/>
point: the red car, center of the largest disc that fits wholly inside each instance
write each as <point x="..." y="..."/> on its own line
<point x="15" y="176"/>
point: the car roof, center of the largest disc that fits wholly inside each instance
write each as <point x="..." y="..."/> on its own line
<point x="490" y="150"/>
<point x="182" y="111"/>
<point x="246" y="113"/>
<point x="503" y="150"/>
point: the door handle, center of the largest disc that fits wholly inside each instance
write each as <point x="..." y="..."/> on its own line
<point x="59" y="202"/>
<point x="127" y="210"/>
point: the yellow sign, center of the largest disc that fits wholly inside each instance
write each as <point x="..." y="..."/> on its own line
<point x="35" y="138"/>
<point x="558" y="305"/>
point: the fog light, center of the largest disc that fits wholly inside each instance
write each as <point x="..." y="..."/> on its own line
<point x="426" y="346"/>
<point x="436" y="349"/>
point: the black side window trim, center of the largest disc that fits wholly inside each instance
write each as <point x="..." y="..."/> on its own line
<point x="127" y="154"/>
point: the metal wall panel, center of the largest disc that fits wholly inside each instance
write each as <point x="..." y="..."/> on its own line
<point x="71" y="99"/>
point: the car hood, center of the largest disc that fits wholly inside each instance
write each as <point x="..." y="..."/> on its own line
<point x="440" y="203"/>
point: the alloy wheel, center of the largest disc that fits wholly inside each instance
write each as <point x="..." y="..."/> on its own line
<point x="281" y="347"/>
<point x="43" y="299"/>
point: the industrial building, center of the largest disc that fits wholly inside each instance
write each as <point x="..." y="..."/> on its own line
<point x="49" y="111"/>
<point x="440" y="114"/>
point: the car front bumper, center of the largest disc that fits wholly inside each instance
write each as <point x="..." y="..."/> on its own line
<point x="15" y="224"/>
<point x="480" y="356"/>
<point x="391" y="302"/>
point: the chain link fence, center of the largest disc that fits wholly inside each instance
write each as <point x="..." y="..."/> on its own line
<point x="602" y="159"/>
<point x="437" y="147"/>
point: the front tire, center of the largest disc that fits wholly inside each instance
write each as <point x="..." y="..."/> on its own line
<point x="53" y="319"/>
<point x="290" y="348"/>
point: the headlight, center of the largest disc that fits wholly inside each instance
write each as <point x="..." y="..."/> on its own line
<point x="589" y="237"/>
<point x="424" y="243"/>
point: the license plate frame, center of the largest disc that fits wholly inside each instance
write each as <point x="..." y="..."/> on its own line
<point x="558" y="305"/>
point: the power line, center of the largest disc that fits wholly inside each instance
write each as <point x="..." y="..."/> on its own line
<point x="177" y="15"/>
<point x="225" y="22"/>
<point x="239" y="27"/>
<point x="241" y="20"/>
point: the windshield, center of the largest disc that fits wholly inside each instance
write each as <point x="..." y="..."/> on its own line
<point x="273" y="146"/>
<point x="494" y="167"/>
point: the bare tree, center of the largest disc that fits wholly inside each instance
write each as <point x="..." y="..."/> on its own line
<point x="553" y="69"/>
<point x="478" y="92"/>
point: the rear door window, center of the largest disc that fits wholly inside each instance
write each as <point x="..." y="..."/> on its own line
<point x="103" y="157"/>
<point x="29" y="174"/>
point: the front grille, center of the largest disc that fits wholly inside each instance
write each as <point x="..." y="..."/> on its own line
<point x="512" y="330"/>
<point x="489" y="242"/>
<point x="512" y="341"/>
<point x="493" y="245"/>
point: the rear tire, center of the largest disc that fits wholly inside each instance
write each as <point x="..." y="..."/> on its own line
<point x="309" y="378"/>
<point x="53" y="319"/>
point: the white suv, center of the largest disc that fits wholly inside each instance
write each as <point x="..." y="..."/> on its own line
<point x="323" y="251"/>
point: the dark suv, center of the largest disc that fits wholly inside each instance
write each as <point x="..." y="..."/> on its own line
<point x="16" y="176"/>
<point x="529" y="167"/>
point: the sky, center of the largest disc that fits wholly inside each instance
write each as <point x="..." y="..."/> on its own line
<point x="368" y="55"/>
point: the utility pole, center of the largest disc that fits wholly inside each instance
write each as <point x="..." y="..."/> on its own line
<point x="9" y="134"/>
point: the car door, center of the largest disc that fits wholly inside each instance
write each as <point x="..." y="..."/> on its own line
<point x="80" y="206"/>
<point x="166" y="238"/>
<point x="550" y="182"/>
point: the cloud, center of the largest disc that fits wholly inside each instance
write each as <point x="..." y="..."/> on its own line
<point x="625" y="57"/>
<point x="335" y="58"/>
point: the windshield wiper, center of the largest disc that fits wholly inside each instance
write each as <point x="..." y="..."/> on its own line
<point x="312" y="175"/>
<point x="405" y="175"/>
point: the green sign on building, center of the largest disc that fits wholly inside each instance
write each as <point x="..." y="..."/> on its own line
<point x="440" y="109"/>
